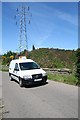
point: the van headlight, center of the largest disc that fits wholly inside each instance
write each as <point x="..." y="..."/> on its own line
<point x="27" y="77"/>
<point x="44" y="74"/>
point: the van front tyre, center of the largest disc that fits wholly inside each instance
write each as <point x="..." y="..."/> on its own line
<point x="21" y="83"/>
<point x="10" y="78"/>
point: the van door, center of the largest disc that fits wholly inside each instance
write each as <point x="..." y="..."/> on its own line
<point x="16" y="71"/>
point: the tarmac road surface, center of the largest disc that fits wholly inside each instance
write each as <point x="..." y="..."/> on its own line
<point x="0" y="95"/>
<point x="52" y="100"/>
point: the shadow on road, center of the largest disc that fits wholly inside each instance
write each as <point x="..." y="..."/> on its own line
<point x="37" y="84"/>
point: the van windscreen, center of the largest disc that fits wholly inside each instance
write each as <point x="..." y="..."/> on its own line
<point x="29" y="66"/>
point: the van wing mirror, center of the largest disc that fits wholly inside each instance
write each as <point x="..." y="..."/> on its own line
<point x="16" y="69"/>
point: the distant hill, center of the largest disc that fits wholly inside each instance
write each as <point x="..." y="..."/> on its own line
<point x="48" y="58"/>
<point x="54" y="58"/>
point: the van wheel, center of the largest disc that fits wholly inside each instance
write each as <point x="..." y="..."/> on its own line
<point x="10" y="78"/>
<point x="21" y="82"/>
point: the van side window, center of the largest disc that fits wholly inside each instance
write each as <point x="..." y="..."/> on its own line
<point x="16" y="67"/>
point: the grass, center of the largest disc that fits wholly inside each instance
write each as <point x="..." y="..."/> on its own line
<point x="4" y="68"/>
<point x="69" y="79"/>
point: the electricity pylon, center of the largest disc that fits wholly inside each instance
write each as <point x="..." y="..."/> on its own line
<point x="22" y="19"/>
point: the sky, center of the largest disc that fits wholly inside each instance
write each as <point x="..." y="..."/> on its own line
<point x="52" y="25"/>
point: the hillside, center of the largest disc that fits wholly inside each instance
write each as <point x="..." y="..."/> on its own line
<point x="48" y="58"/>
<point x="0" y="61"/>
<point x="54" y="58"/>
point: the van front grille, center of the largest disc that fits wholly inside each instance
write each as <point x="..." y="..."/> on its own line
<point x="37" y="76"/>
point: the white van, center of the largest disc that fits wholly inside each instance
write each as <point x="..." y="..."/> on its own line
<point x="26" y="71"/>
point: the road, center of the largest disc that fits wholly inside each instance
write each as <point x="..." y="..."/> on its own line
<point x="53" y="100"/>
<point x="0" y="84"/>
<point x="0" y="94"/>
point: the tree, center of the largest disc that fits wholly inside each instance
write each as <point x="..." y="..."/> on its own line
<point x="78" y="66"/>
<point x="7" y="57"/>
<point x="33" y="47"/>
<point x="9" y="53"/>
<point x="11" y="57"/>
<point x="3" y="59"/>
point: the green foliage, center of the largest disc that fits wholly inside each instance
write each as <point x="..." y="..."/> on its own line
<point x="69" y="79"/>
<point x="48" y="58"/>
<point x="78" y="65"/>
<point x="7" y="59"/>
<point x="4" y="68"/>
<point x="54" y="58"/>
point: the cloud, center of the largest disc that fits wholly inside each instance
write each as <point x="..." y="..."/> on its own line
<point x="68" y="17"/>
<point x="73" y="19"/>
<point x="41" y="40"/>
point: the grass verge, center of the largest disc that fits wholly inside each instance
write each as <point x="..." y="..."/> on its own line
<point x="68" y="79"/>
<point x="4" y="68"/>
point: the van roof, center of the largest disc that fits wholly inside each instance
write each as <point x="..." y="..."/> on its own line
<point x="22" y="60"/>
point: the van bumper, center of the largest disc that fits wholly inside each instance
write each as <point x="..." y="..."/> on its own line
<point x="35" y="81"/>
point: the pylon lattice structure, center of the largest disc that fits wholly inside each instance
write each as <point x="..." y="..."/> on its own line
<point x="22" y="18"/>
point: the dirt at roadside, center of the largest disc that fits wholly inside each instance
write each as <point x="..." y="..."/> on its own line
<point x="1" y="107"/>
